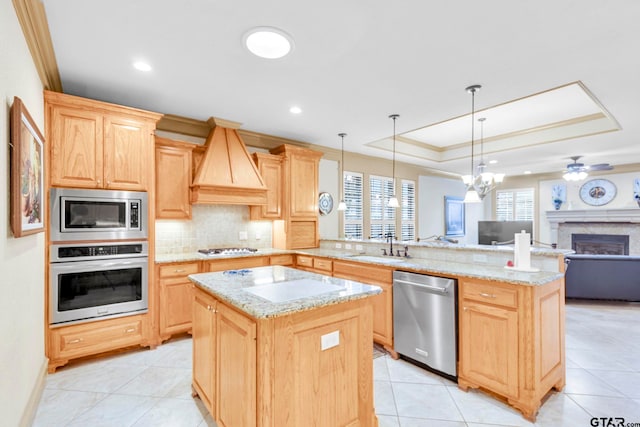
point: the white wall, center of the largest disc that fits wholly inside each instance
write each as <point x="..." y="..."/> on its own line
<point x="431" y="208"/>
<point x="623" y="200"/>
<point x="329" y="172"/>
<point x="21" y="260"/>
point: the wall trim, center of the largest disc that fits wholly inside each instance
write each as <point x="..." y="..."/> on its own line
<point x="33" y="20"/>
<point x="30" y="410"/>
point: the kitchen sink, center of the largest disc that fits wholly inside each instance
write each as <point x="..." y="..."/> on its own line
<point x="379" y="259"/>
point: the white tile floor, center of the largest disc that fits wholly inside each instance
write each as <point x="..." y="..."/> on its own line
<point x="152" y="387"/>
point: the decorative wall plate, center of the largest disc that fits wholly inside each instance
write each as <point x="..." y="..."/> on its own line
<point x="325" y="203"/>
<point x="598" y="192"/>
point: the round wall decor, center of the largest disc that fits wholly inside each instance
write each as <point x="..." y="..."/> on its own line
<point x="325" y="203"/>
<point x="598" y="192"/>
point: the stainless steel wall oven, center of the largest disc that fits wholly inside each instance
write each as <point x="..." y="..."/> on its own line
<point x="93" y="281"/>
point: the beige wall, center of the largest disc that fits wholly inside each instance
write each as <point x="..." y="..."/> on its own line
<point x="21" y="260"/>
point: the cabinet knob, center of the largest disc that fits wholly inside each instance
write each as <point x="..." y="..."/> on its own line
<point x="76" y="341"/>
<point x="179" y="271"/>
<point x="128" y="331"/>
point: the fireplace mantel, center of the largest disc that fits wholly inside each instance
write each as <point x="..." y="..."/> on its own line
<point x="593" y="215"/>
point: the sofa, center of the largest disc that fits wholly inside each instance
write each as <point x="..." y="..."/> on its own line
<point x="603" y="277"/>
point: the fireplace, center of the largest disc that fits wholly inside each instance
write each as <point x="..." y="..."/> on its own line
<point x="600" y="244"/>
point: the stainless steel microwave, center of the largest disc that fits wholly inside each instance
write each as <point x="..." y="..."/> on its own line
<point x="97" y="214"/>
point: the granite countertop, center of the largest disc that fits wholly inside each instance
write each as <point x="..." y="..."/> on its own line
<point x="235" y="287"/>
<point x="422" y="265"/>
<point x="419" y="265"/>
<point x="196" y="256"/>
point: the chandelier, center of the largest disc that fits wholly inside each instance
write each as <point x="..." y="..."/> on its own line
<point x="481" y="184"/>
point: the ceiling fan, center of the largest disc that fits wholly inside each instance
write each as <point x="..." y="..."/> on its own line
<point x="577" y="171"/>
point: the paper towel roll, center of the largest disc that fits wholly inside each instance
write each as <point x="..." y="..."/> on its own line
<point x="522" y="250"/>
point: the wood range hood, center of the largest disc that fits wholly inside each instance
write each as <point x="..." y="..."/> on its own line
<point x="226" y="174"/>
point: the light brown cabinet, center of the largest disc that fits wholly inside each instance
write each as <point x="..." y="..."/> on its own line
<point x="175" y="294"/>
<point x="298" y="228"/>
<point x="382" y="303"/>
<point x="512" y="340"/>
<point x="98" y="145"/>
<point x="285" y="259"/>
<point x="74" y="341"/>
<point x="173" y="179"/>
<point x="236" y="263"/>
<point x="270" y="167"/>
<point x="295" y="381"/>
<point x="314" y="264"/>
<point x="224" y="361"/>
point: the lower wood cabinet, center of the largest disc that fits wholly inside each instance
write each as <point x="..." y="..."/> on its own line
<point x="512" y="340"/>
<point x="382" y="303"/>
<point x="284" y="259"/>
<point x="175" y="293"/>
<point x="236" y="263"/>
<point x="224" y="361"/>
<point x="314" y="264"/>
<point x="74" y="341"/>
<point x="295" y="381"/>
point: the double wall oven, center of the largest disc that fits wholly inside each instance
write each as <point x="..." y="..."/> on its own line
<point x="98" y="255"/>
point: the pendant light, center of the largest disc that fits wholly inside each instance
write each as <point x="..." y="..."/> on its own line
<point x="472" y="194"/>
<point x="393" y="201"/>
<point x="342" y="206"/>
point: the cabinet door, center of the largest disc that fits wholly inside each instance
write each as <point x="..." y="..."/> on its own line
<point x="383" y="315"/>
<point x="236" y="375"/>
<point x="270" y="168"/>
<point x="175" y="305"/>
<point x="204" y="351"/>
<point x="127" y="149"/>
<point x="173" y="178"/>
<point x="304" y="186"/>
<point x="76" y="148"/>
<point x="489" y="347"/>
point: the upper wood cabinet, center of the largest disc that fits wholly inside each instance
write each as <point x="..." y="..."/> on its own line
<point x="299" y="228"/>
<point x="173" y="179"/>
<point x="270" y="168"/>
<point x="94" y="144"/>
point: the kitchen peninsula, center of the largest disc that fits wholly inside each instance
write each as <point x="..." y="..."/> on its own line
<point x="276" y="346"/>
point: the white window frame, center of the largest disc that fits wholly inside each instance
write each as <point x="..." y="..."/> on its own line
<point x="408" y="206"/>
<point x="522" y="206"/>
<point x="386" y="222"/>
<point x="354" y="215"/>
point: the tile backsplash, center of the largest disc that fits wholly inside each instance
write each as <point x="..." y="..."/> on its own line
<point x="212" y="226"/>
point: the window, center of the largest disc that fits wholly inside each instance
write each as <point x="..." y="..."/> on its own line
<point x="408" y="226"/>
<point x="514" y="205"/>
<point x="353" y="216"/>
<point x="382" y="217"/>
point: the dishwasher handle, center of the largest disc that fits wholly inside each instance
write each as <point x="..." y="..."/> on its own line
<point x="422" y="285"/>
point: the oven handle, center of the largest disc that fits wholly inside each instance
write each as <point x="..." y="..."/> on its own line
<point x="83" y="266"/>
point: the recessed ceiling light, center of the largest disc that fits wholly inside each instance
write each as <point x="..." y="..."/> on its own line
<point x="268" y="42"/>
<point x="493" y="162"/>
<point x="295" y="110"/>
<point x="527" y="172"/>
<point x="141" y="66"/>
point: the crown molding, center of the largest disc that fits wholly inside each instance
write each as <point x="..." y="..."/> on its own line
<point x="33" y="20"/>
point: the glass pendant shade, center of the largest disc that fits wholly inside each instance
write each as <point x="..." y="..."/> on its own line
<point x="471" y="196"/>
<point x="393" y="202"/>
<point x="342" y="206"/>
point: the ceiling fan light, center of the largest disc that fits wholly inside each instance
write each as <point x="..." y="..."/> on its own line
<point x="575" y="176"/>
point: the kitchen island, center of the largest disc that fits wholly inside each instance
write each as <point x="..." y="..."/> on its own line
<point x="274" y="346"/>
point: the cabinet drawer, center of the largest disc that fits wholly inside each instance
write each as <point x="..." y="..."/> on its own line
<point x="178" y="270"/>
<point x="281" y="259"/>
<point x="363" y="272"/>
<point x="322" y="264"/>
<point x="91" y="338"/>
<point x="490" y="294"/>
<point x="304" y="261"/>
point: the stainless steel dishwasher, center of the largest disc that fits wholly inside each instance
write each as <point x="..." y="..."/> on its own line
<point x="425" y="320"/>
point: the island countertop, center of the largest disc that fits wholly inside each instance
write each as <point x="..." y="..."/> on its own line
<point x="238" y="288"/>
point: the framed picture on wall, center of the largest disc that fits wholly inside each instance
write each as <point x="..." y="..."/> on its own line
<point x="453" y="216"/>
<point x="27" y="182"/>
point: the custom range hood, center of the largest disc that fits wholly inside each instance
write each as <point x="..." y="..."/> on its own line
<point x="227" y="174"/>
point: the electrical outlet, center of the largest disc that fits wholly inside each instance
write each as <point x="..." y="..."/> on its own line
<point x="258" y="235"/>
<point x="330" y="340"/>
<point x="347" y="245"/>
<point x="359" y="248"/>
<point x="243" y="235"/>
<point x="338" y="245"/>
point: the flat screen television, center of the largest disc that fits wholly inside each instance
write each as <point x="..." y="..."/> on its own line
<point x="501" y="232"/>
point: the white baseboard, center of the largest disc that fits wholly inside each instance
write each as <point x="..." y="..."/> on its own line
<point x="34" y="400"/>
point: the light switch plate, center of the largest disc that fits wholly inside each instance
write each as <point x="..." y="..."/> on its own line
<point x="330" y="340"/>
<point x="347" y="245"/>
<point x="359" y="248"/>
<point x="258" y="235"/>
<point x="338" y="245"/>
<point x="242" y="235"/>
